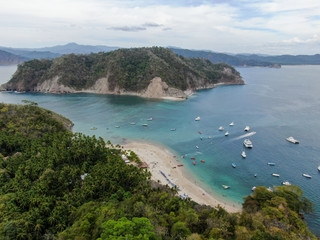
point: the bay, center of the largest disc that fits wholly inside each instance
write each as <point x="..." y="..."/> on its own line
<point x="275" y="103"/>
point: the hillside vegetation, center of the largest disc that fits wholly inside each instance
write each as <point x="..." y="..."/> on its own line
<point x="125" y="69"/>
<point x="58" y="185"/>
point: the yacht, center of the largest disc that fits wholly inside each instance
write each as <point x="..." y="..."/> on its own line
<point x="231" y="124"/>
<point x="247" y="128"/>
<point x="306" y="175"/>
<point x="287" y="183"/>
<point x="227" y="133"/>
<point x="243" y="154"/>
<point x="221" y="128"/>
<point x="197" y="119"/>
<point x="292" y="140"/>
<point x="275" y="174"/>
<point x="247" y="143"/>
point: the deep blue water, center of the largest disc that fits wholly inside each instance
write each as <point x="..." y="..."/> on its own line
<point x="275" y="103"/>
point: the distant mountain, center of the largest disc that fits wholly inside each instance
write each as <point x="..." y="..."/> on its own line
<point x="284" y="59"/>
<point x="7" y="58"/>
<point x="77" y="49"/>
<point x="29" y="54"/>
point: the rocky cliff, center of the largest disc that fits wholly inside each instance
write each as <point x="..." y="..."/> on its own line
<point x="148" y="72"/>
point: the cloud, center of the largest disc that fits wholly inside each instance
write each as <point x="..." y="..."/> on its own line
<point x="129" y="29"/>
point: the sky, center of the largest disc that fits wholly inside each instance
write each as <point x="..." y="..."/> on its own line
<point x="231" y="26"/>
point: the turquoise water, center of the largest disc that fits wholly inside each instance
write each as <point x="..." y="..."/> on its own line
<point x="275" y="103"/>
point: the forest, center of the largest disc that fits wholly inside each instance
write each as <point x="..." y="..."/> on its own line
<point x="55" y="184"/>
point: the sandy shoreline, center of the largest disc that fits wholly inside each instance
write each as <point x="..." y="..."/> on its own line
<point x="160" y="158"/>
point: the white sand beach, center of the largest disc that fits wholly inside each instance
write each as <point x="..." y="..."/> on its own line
<point x="160" y="158"/>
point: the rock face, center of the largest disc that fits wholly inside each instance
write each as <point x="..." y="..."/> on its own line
<point x="146" y="72"/>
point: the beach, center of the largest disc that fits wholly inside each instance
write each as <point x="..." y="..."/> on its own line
<point x="162" y="159"/>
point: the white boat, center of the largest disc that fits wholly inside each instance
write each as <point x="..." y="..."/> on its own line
<point x="247" y="143"/>
<point x="243" y="154"/>
<point x="287" y="183"/>
<point x="275" y="174"/>
<point x="227" y="133"/>
<point x="150" y="119"/>
<point x="247" y="128"/>
<point x="253" y="188"/>
<point x="197" y="147"/>
<point x="271" y="163"/>
<point x="132" y="123"/>
<point x="231" y="124"/>
<point x="197" y="119"/>
<point x="306" y="175"/>
<point x="270" y="189"/>
<point x="292" y="140"/>
<point x="220" y="128"/>
<point x="319" y="168"/>
<point x="145" y="125"/>
<point x="225" y="186"/>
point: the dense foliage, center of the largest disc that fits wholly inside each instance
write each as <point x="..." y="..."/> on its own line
<point x="59" y="185"/>
<point x="126" y="69"/>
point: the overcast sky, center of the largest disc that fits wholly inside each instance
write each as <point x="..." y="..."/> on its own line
<point x="233" y="26"/>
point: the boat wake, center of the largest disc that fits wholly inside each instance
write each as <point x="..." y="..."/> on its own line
<point x="244" y="136"/>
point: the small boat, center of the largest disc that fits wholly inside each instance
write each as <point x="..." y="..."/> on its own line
<point x="227" y="133"/>
<point x="247" y="143"/>
<point x="225" y="186"/>
<point x="247" y="128"/>
<point x="255" y="175"/>
<point x="270" y="189"/>
<point x="199" y="132"/>
<point x="173" y="129"/>
<point x="234" y="165"/>
<point x="193" y="158"/>
<point x="319" y="168"/>
<point x="275" y="174"/>
<point x="94" y="128"/>
<point x="287" y="183"/>
<point x="194" y="162"/>
<point x="197" y="119"/>
<point x="209" y="137"/>
<point x="203" y="161"/>
<point x="117" y="126"/>
<point x="292" y="140"/>
<point x="197" y="147"/>
<point x="243" y="154"/>
<point x="180" y="165"/>
<point x="253" y="188"/>
<point x="231" y="124"/>
<point x="145" y="125"/>
<point x="132" y="123"/>
<point x="271" y="163"/>
<point x="306" y="175"/>
<point x="150" y="119"/>
<point x="220" y="128"/>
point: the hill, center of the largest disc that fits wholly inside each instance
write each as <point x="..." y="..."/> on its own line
<point x="149" y="72"/>
<point x="59" y="185"/>
<point x="7" y="58"/>
<point x="29" y="54"/>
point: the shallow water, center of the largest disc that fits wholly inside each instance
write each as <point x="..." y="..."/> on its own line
<point x="275" y="103"/>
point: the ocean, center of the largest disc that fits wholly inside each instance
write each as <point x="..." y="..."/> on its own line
<point x="275" y="103"/>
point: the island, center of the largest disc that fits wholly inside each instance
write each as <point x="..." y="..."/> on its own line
<point x="147" y="72"/>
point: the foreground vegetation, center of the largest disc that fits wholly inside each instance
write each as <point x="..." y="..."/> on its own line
<point x="59" y="185"/>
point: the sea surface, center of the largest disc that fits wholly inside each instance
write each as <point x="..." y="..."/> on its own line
<point x="275" y="103"/>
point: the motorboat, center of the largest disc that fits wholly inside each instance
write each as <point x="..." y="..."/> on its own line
<point x="132" y="123"/>
<point x="306" y="175"/>
<point x="94" y="128"/>
<point x="247" y="128"/>
<point x="225" y="186"/>
<point x="117" y="126"/>
<point x="197" y="119"/>
<point x="202" y="161"/>
<point x="286" y="183"/>
<point x="275" y="174"/>
<point x="255" y="175"/>
<point x="319" y="168"/>
<point x="243" y="154"/>
<point x="253" y="188"/>
<point x="234" y="165"/>
<point x="271" y="163"/>
<point x="227" y="133"/>
<point x="292" y="140"/>
<point x="194" y="162"/>
<point x="173" y="129"/>
<point x="197" y="147"/>
<point x="247" y="143"/>
<point x="150" y="119"/>
<point x="231" y="124"/>
<point x="220" y="128"/>
<point x="145" y="125"/>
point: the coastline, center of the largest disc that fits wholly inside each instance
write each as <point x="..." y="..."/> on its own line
<point x="160" y="158"/>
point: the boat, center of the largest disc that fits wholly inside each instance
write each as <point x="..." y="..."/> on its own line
<point x="255" y="175"/>
<point x="180" y="165"/>
<point x="199" y="132"/>
<point x="231" y="124"/>
<point x="247" y="128"/>
<point x="319" y="168"/>
<point x="227" y="133"/>
<point x="287" y="183"/>
<point x="145" y="125"/>
<point x="117" y="126"/>
<point x="132" y="123"/>
<point x="271" y="163"/>
<point x="173" y="129"/>
<point x="243" y="154"/>
<point x="253" y="188"/>
<point x="94" y="128"/>
<point x="193" y="158"/>
<point x="203" y="161"/>
<point x="292" y="140"/>
<point x="220" y="128"/>
<point x="197" y="119"/>
<point x="247" y="143"/>
<point x="306" y="175"/>
<point x="234" y="165"/>
<point x="194" y="162"/>
<point x="197" y="147"/>
<point x="150" y="119"/>
<point x="275" y="174"/>
<point x="225" y="186"/>
<point x="270" y="189"/>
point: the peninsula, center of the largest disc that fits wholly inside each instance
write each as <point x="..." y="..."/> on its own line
<point x="147" y="72"/>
